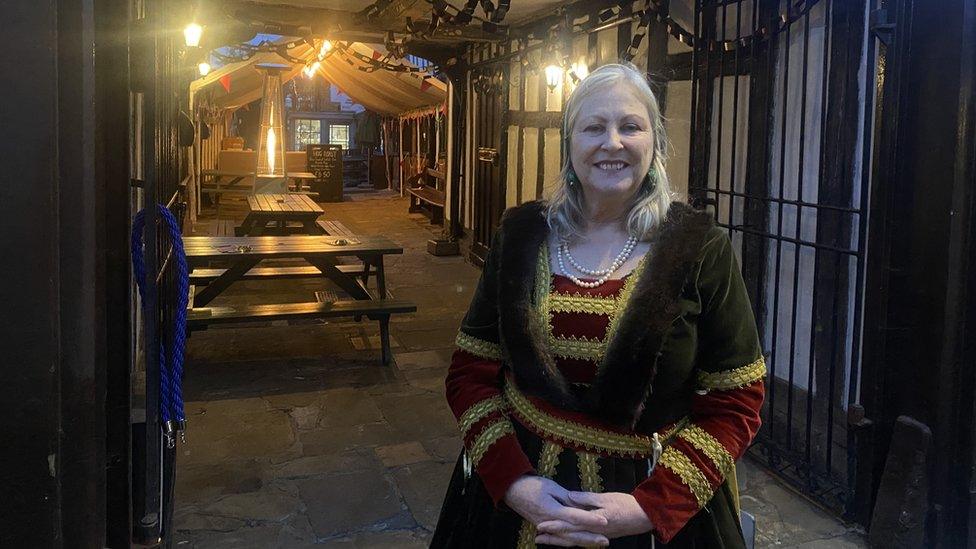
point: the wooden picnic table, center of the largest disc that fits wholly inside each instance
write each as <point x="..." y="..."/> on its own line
<point x="231" y="180"/>
<point x="240" y="256"/>
<point x="227" y="180"/>
<point x="279" y="210"/>
<point x="302" y="180"/>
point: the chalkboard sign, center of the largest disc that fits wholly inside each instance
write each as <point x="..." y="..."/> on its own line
<point x="325" y="161"/>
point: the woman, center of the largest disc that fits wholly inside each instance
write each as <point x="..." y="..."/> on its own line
<point x="608" y="371"/>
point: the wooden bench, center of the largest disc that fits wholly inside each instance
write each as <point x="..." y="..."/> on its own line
<point x="206" y="276"/>
<point x="374" y="309"/>
<point x="224" y="227"/>
<point x="332" y="227"/>
<point x="428" y="199"/>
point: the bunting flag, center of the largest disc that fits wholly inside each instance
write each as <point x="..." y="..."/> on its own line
<point x="424" y="84"/>
<point x="225" y="82"/>
<point x="376" y="55"/>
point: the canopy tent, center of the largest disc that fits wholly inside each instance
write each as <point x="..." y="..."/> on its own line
<point x="385" y="92"/>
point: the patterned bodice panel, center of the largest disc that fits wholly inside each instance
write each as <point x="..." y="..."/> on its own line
<point x="579" y="324"/>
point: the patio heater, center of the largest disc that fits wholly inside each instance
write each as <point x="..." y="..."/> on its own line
<point x="270" y="173"/>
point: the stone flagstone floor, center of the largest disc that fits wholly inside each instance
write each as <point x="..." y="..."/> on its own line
<point x="298" y="437"/>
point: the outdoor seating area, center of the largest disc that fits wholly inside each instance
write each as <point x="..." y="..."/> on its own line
<point x="239" y="259"/>
<point x="289" y="274"/>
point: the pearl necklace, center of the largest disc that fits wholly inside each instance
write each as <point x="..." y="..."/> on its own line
<point x="604" y="274"/>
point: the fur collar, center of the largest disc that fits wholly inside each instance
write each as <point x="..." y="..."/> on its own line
<point x="618" y="393"/>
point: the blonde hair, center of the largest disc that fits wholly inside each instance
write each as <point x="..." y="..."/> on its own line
<point x="650" y="203"/>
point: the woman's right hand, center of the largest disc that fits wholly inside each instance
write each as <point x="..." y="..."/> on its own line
<point x="538" y="499"/>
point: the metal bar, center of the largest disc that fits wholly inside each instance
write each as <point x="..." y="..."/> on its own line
<point x="833" y="372"/>
<point x="779" y="232"/>
<point x="825" y="52"/>
<point x="735" y="108"/>
<point x="861" y="271"/>
<point x="719" y="138"/>
<point x="815" y="245"/>
<point x="799" y="226"/>
<point x="693" y="138"/>
<point x="826" y="207"/>
<point x="162" y="270"/>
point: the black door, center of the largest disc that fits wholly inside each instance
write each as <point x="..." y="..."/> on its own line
<point x="490" y="143"/>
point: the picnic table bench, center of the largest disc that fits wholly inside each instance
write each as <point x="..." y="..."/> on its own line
<point x="242" y="255"/>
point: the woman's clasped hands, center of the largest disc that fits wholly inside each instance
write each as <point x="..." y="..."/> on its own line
<point x="569" y="519"/>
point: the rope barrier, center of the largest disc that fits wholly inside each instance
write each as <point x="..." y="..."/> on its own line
<point x="170" y="372"/>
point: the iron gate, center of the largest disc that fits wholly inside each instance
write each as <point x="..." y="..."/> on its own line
<point x="156" y="97"/>
<point x="780" y="128"/>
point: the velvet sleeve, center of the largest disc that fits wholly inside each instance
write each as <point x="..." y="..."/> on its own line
<point x="474" y="392"/>
<point x="725" y="407"/>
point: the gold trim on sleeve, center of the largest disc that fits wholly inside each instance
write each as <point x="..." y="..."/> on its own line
<point x="478" y="347"/>
<point x="489" y="436"/>
<point x="690" y="475"/>
<point x="589" y="470"/>
<point x="705" y="443"/>
<point x="479" y="411"/>
<point x="735" y="378"/>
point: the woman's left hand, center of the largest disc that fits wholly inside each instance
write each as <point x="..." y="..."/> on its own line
<point x="624" y="517"/>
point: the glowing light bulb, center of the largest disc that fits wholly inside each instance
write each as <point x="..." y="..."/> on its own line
<point x="581" y="70"/>
<point x="192" y="34"/>
<point x="204" y="68"/>
<point x="326" y="48"/>
<point x="554" y="76"/>
<point x="310" y="69"/>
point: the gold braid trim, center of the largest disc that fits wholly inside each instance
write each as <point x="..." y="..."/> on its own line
<point x="478" y="411"/>
<point x="578" y="303"/>
<point x="574" y="433"/>
<point x="548" y="460"/>
<point x="690" y="475"/>
<point x="589" y="470"/>
<point x="489" y="436"/>
<point x="478" y="347"/>
<point x="735" y="378"/>
<point x="578" y="347"/>
<point x="543" y="291"/>
<point x="705" y="443"/>
<point x="623" y="300"/>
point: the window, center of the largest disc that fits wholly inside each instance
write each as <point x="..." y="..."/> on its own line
<point x="307" y="132"/>
<point x="339" y="135"/>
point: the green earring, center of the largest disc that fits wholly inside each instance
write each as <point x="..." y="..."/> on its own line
<point x="572" y="178"/>
<point x="651" y="178"/>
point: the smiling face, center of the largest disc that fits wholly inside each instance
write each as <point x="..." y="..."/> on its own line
<point x="612" y="142"/>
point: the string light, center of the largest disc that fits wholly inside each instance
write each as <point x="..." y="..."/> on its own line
<point x="192" y="34"/>
<point x="204" y="68"/>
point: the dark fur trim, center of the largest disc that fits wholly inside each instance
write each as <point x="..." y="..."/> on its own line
<point x="523" y="337"/>
<point x="624" y="381"/>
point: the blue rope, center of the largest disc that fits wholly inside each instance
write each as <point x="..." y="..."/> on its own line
<point x="170" y="373"/>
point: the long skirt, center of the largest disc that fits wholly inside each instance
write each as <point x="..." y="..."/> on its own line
<point x="469" y="518"/>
